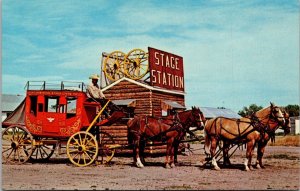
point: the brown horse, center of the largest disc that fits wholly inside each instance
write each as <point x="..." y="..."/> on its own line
<point x="244" y="130"/>
<point x="189" y="118"/>
<point x="170" y="129"/>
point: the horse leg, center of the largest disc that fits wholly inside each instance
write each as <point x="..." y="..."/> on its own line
<point x="176" y="146"/>
<point x="260" y="154"/>
<point x="213" y="147"/>
<point x="250" y="148"/>
<point x="168" y="153"/>
<point x="142" y="151"/>
<point x="138" y="163"/>
<point x="172" y="157"/>
<point x="226" y="160"/>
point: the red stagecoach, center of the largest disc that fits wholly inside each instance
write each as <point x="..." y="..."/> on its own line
<point x="54" y="116"/>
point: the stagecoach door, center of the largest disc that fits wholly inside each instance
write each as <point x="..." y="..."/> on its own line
<point x="54" y="114"/>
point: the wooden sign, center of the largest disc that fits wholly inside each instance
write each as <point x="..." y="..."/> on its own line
<point x="166" y="70"/>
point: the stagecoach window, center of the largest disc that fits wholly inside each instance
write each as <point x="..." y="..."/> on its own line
<point x="71" y="106"/>
<point x="51" y="104"/>
<point x="33" y="104"/>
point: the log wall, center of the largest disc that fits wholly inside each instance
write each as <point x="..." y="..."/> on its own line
<point x="127" y="90"/>
<point x="158" y="97"/>
<point x="147" y="103"/>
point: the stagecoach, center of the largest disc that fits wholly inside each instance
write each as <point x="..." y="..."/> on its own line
<point x="55" y="116"/>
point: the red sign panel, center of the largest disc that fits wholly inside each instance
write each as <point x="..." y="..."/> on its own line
<point x="166" y="70"/>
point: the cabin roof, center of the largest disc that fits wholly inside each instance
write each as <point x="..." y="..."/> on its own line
<point x="143" y="85"/>
<point x="10" y="102"/>
<point x="210" y="112"/>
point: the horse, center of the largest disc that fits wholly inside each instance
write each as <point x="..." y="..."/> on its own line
<point x="262" y="143"/>
<point x="189" y="118"/>
<point x="170" y="129"/>
<point x="270" y="134"/>
<point x="244" y="130"/>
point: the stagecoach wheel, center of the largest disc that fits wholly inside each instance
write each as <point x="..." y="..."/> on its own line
<point x="136" y="64"/>
<point x="82" y="148"/>
<point x="42" y="151"/>
<point x="114" y="65"/>
<point x="17" y="145"/>
<point x="106" y="147"/>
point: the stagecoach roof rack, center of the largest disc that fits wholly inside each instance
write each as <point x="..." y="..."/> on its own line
<point x="63" y="85"/>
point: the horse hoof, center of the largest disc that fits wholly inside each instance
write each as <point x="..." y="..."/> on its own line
<point x="172" y="165"/>
<point x="251" y="168"/>
<point x="257" y="166"/>
<point x="139" y="165"/>
<point x="167" y="166"/>
<point x="216" y="168"/>
<point x="247" y="169"/>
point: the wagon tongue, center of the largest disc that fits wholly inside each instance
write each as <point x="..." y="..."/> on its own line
<point x="112" y="119"/>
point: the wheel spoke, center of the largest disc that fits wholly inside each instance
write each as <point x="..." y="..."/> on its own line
<point x="88" y="155"/>
<point x="44" y="152"/>
<point x="79" y="156"/>
<point x="6" y="149"/>
<point x="75" y="141"/>
<point x="75" y="156"/>
<point x="10" y="153"/>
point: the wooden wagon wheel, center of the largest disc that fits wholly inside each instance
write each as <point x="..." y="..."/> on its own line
<point x="17" y="145"/>
<point x="136" y="64"/>
<point x="114" y="65"/>
<point x="82" y="148"/>
<point x="107" y="147"/>
<point x="42" y="151"/>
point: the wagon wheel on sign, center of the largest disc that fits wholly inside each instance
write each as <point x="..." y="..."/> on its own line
<point x="42" y="151"/>
<point x="17" y="145"/>
<point x="114" y="65"/>
<point x="136" y="64"/>
<point x="82" y="148"/>
<point x="107" y="147"/>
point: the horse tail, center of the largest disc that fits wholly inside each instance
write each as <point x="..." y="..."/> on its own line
<point x="207" y="143"/>
<point x="207" y="128"/>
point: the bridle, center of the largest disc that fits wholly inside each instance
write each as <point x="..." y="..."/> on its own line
<point x="257" y="122"/>
<point x="276" y="118"/>
<point x="197" y="118"/>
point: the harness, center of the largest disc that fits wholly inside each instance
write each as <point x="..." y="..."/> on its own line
<point x="175" y="126"/>
<point x="255" y="123"/>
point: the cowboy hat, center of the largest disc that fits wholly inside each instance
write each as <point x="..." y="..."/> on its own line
<point x="95" y="76"/>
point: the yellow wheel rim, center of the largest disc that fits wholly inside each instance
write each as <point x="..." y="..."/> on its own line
<point x="17" y="145"/>
<point x="136" y="64"/>
<point x="82" y="148"/>
<point x="114" y="65"/>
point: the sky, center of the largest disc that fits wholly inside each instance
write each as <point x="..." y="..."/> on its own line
<point x="235" y="53"/>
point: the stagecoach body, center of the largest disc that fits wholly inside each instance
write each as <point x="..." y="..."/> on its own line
<point x="57" y="116"/>
<point x="58" y="113"/>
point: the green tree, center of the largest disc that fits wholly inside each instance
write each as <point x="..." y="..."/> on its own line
<point x="248" y="111"/>
<point x="293" y="110"/>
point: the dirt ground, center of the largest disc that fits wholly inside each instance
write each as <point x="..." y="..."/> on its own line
<point x="282" y="172"/>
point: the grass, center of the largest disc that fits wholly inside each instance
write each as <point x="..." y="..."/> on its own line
<point x="283" y="156"/>
<point x="288" y="140"/>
